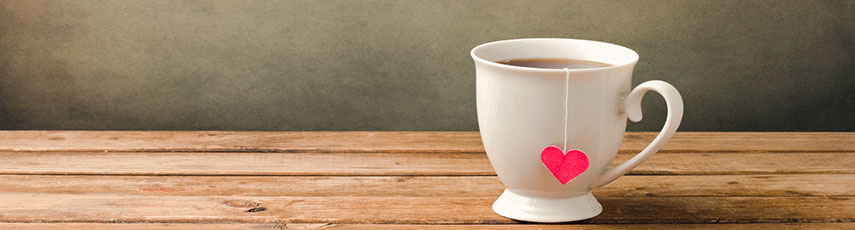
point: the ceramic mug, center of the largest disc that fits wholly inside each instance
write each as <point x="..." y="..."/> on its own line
<point x="523" y="110"/>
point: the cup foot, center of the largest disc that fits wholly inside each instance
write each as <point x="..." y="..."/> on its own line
<point x="546" y="210"/>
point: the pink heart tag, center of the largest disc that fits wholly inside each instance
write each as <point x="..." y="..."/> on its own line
<point x="564" y="167"/>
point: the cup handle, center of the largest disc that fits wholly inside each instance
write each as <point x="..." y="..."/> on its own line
<point x="633" y="111"/>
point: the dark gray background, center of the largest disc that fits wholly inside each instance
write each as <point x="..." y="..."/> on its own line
<point x="404" y="64"/>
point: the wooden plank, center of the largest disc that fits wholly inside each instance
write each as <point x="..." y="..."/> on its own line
<point x="40" y="207"/>
<point x="795" y="185"/>
<point x="138" y="163"/>
<point x="220" y="141"/>
<point x="227" y="141"/>
<point x="745" y="142"/>
<point x="390" y="164"/>
<point x="743" y="163"/>
<point x="100" y="226"/>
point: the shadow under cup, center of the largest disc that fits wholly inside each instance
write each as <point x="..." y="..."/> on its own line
<point x="522" y="110"/>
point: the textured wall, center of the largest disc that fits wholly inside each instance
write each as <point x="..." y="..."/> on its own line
<point x="404" y="64"/>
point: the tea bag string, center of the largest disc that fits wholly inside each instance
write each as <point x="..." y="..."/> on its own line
<point x="566" y="107"/>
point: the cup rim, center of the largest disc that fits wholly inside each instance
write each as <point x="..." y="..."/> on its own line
<point x="546" y="70"/>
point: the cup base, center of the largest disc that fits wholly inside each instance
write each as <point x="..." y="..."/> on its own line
<point x="546" y="210"/>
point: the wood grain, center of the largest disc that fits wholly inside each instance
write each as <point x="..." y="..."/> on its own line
<point x="390" y="164"/>
<point x="39" y="207"/>
<point x="100" y="226"/>
<point x="146" y="163"/>
<point x="222" y="141"/>
<point x="796" y="185"/>
<point x="403" y="180"/>
<point x="218" y="141"/>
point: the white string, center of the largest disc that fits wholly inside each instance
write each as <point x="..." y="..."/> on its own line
<point x="566" y="107"/>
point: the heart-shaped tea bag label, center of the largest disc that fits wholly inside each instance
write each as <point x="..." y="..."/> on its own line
<point x="563" y="166"/>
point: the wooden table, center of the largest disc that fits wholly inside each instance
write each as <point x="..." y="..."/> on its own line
<point x="403" y="180"/>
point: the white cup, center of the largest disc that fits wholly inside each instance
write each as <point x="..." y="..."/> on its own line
<point x="523" y="110"/>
